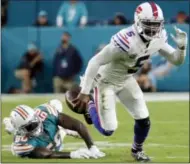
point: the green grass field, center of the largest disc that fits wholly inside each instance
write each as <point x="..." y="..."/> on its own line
<point x="168" y="140"/>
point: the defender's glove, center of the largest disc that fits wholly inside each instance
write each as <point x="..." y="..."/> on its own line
<point x="96" y="153"/>
<point x="80" y="154"/>
<point x="8" y="126"/>
<point x="180" y="39"/>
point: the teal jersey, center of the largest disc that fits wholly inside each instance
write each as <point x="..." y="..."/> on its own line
<point x="50" y="137"/>
<point x="72" y="13"/>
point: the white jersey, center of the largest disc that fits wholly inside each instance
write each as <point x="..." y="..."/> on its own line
<point x="123" y="56"/>
<point x="133" y="53"/>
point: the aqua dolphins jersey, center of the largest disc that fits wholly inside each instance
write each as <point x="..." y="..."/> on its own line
<point x="50" y="137"/>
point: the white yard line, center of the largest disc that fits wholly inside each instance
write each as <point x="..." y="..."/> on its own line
<point x="164" y="96"/>
<point x="107" y="145"/>
<point x="181" y="157"/>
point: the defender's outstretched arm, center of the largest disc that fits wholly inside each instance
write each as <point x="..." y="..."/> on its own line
<point x="41" y="152"/>
<point x="176" y="56"/>
<point x="106" y="55"/>
<point x="70" y="123"/>
<point x="44" y="153"/>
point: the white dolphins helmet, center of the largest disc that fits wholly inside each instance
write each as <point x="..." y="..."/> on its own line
<point x="149" y="20"/>
<point x="25" y="121"/>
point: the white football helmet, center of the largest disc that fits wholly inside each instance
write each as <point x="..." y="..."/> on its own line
<point x="149" y="20"/>
<point x="25" y="121"/>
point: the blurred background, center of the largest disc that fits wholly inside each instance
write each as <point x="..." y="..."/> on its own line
<point x="46" y="45"/>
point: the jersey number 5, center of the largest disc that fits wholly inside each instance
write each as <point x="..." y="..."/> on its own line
<point x="139" y="63"/>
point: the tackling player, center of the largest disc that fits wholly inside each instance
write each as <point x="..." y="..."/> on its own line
<point x="37" y="135"/>
<point x="110" y="74"/>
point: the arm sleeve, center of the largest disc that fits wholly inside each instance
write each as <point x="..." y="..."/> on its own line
<point x="174" y="56"/>
<point x="105" y="56"/>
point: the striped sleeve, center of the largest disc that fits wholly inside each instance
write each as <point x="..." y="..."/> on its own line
<point x="21" y="150"/>
<point x="51" y="109"/>
<point x="120" y="40"/>
<point x="48" y="109"/>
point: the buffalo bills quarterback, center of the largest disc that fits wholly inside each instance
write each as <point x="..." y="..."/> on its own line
<point x="37" y="132"/>
<point x="110" y="73"/>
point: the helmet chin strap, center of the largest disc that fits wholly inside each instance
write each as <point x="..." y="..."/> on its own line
<point x="145" y="40"/>
<point x="140" y="32"/>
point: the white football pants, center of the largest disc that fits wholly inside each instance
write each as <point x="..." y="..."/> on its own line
<point x="129" y="94"/>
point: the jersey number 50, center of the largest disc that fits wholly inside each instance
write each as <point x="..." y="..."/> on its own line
<point x="139" y="63"/>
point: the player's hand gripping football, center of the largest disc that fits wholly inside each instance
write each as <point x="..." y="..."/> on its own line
<point x="81" y="101"/>
<point x="180" y="39"/>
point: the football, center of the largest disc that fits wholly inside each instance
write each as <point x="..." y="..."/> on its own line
<point x="71" y="95"/>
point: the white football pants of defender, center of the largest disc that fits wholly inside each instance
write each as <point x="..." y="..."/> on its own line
<point x="129" y="94"/>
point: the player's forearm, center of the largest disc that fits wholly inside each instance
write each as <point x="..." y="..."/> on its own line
<point x="174" y="56"/>
<point x="90" y="74"/>
<point x="63" y="155"/>
<point x="177" y="57"/>
<point x="180" y="56"/>
<point x="105" y="56"/>
<point x="83" y="132"/>
<point x="70" y="123"/>
<point x="44" y="153"/>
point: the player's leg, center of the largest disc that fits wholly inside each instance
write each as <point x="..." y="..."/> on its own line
<point x="102" y="110"/>
<point x="132" y="97"/>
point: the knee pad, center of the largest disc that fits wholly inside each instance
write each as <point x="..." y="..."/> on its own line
<point x="143" y="123"/>
<point x="110" y="126"/>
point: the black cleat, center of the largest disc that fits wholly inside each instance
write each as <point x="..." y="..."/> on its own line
<point x="140" y="156"/>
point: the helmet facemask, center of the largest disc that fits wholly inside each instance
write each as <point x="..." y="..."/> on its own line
<point x="150" y="29"/>
<point x="32" y="128"/>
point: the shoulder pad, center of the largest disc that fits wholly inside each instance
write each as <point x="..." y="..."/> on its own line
<point x="120" y="40"/>
<point x="123" y="39"/>
<point x="47" y="108"/>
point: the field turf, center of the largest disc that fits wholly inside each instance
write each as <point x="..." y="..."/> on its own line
<point x="168" y="140"/>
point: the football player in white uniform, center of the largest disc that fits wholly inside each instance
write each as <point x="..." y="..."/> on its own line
<point x="110" y="73"/>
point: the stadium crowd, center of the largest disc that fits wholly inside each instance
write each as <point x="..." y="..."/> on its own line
<point x="67" y="62"/>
